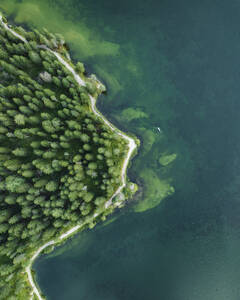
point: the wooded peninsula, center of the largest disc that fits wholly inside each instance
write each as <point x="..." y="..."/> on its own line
<point x="61" y="163"/>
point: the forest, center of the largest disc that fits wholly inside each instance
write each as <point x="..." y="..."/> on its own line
<point x="59" y="162"/>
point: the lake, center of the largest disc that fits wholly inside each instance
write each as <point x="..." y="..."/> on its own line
<point x="172" y="70"/>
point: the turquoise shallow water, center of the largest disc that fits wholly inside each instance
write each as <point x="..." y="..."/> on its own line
<point x="177" y="65"/>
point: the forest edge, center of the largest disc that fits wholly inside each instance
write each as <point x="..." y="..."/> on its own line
<point x="132" y="145"/>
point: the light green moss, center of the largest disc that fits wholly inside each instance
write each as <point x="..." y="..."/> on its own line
<point x="165" y="160"/>
<point x="111" y="80"/>
<point x="155" y="190"/>
<point x="148" y="137"/>
<point x="129" y="114"/>
<point x="36" y="13"/>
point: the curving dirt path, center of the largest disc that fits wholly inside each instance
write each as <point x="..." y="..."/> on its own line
<point x="131" y="147"/>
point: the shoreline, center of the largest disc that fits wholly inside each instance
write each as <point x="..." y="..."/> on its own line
<point x="132" y="145"/>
